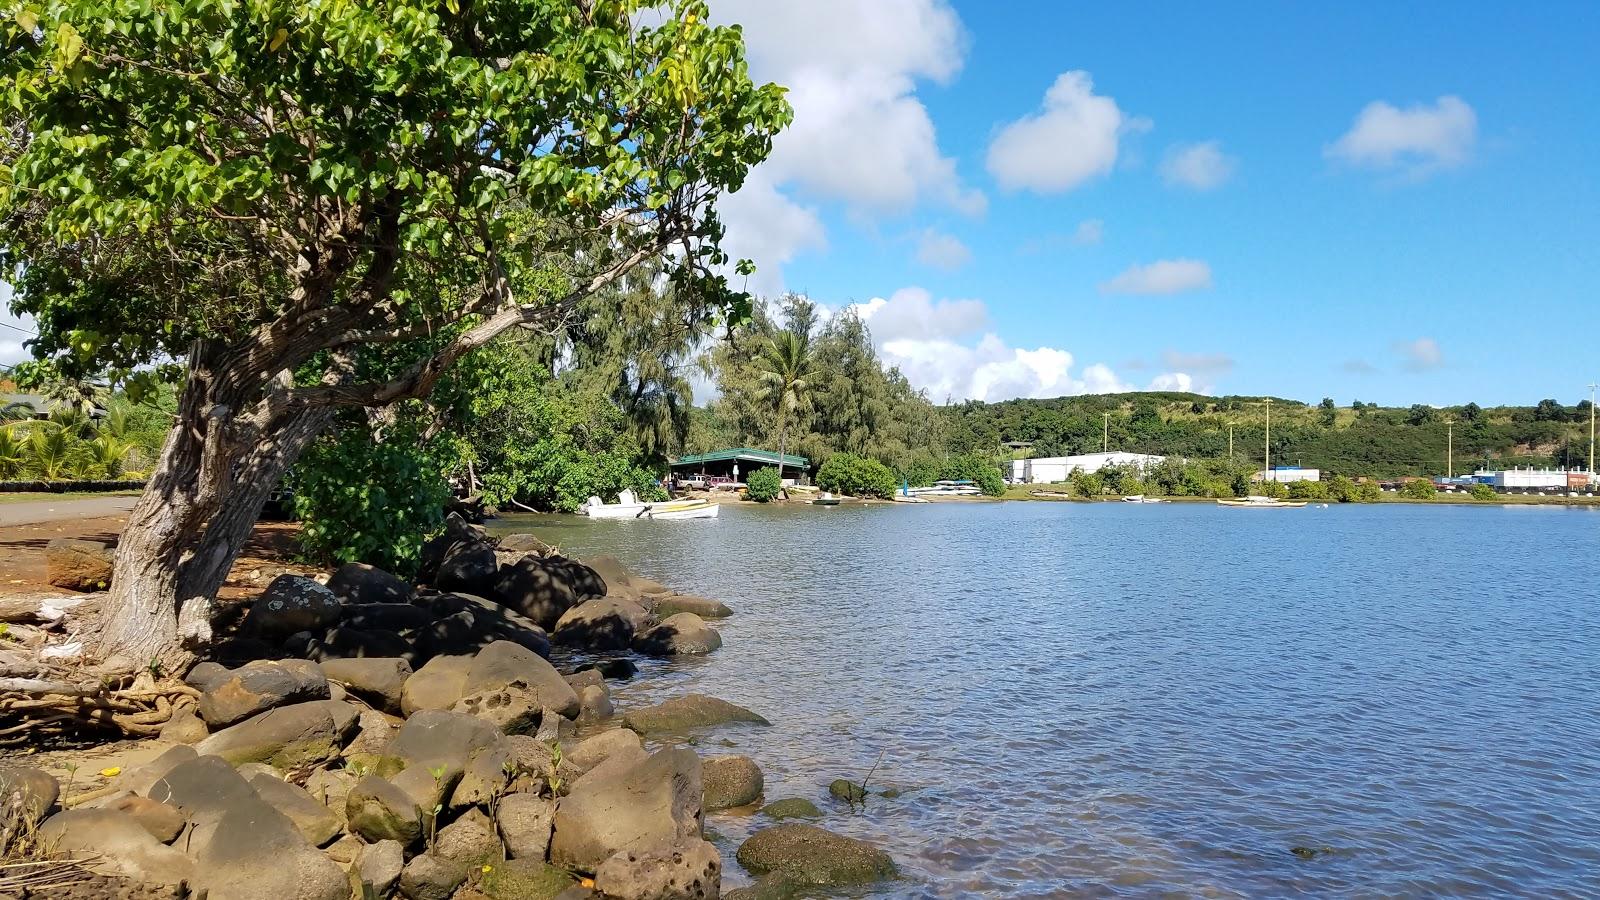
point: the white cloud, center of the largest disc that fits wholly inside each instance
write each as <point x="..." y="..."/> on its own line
<point x="1203" y="363"/>
<point x="1173" y="381"/>
<point x="1417" y="140"/>
<point x="1089" y="231"/>
<point x="1200" y="167"/>
<point x="1359" y="367"/>
<point x="1166" y="276"/>
<point x="768" y="227"/>
<point x="1420" y="355"/>
<point x="1070" y="140"/>
<point x="942" y="251"/>
<point x="14" y="329"/>
<point x="945" y="348"/>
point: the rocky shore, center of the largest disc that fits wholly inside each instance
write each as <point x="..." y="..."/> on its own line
<point x="367" y="737"/>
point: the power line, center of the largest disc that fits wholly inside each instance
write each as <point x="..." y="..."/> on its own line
<point x="18" y="328"/>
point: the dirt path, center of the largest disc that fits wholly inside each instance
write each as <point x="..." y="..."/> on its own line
<point x="34" y="512"/>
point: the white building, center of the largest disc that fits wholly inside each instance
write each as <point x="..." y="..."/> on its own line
<point x="1289" y="474"/>
<point x="1056" y="469"/>
<point x="1535" y="479"/>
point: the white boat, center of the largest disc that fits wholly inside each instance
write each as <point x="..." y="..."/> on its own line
<point x="684" y="509"/>
<point x="626" y="507"/>
<point x="947" y="489"/>
<point x="1140" y="498"/>
<point x="1255" y="501"/>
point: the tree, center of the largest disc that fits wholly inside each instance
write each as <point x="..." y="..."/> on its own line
<point x="856" y="476"/>
<point x="785" y="371"/>
<point x="1549" y="411"/>
<point x="270" y="191"/>
<point x="1329" y="412"/>
<point x="1420" y="414"/>
<point x="1418" y="489"/>
<point x="763" y="485"/>
<point x="1472" y="412"/>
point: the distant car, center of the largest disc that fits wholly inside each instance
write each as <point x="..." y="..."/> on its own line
<point x="696" y="482"/>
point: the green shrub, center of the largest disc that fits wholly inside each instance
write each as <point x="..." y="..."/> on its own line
<point x="1274" y="489"/>
<point x="1368" y="492"/>
<point x="364" y="502"/>
<point x="1483" y="492"/>
<point x="1086" y="484"/>
<point x="1420" y="489"/>
<point x="1343" y="490"/>
<point x="763" y="485"/>
<point x="856" y="476"/>
<point x="974" y="468"/>
<point x="1308" y="490"/>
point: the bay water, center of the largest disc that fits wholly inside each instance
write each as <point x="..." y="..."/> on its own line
<point x="1177" y="699"/>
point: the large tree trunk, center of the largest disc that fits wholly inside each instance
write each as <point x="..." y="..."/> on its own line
<point x="183" y="535"/>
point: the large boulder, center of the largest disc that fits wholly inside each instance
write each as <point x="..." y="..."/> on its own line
<point x="349" y="642"/>
<point x="435" y="548"/>
<point x="654" y="803"/>
<point x="436" y="737"/>
<point x="400" y="618"/>
<point x="316" y="823"/>
<point x="688" y="712"/>
<point x="807" y="855"/>
<point x="691" y="870"/>
<point x="255" y="687"/>
<point x="361" y="583"/>
<point x="514" y="709"/>
<point x="430" y="877"/>
<point x="463" y="624"/>
<point x="684" y="634"/>
<point x="163" y="820"/>
<point x="288" y="736"/>
<point x="437" y="685"/>
<point x="730" y="781"/>
<point x="78" y="565"/>
<point x="289" y="605"/>
<point x="26" y="794"/>
<point x="524" y="543"/>
<point x="378" y="867"/>
<point x="542" y="588"/>
<point x="468" y="566"/>
<point x="119" y="846"/>
<point x="378" y="810"/>
<point x="704" y="607"/>
<point x="379" y="681"/>
<point x="595" y="750"/>
<point x="446" y="680"/>
<point x="615" y="575"/>
<point x="601" y="623"/>
<point x="525" y="821"/>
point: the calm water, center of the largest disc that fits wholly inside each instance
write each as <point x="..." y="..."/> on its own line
<point x="1142" y="700"/>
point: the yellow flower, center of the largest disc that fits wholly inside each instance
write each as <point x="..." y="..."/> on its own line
<point x="112" y="772"/>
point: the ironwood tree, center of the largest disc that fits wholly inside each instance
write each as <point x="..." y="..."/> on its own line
<point x="256" y="196"/>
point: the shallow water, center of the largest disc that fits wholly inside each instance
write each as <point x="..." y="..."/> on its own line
<point x="1116" y="699"/>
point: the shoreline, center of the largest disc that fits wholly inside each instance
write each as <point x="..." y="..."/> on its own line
<point x="466" y="766"/>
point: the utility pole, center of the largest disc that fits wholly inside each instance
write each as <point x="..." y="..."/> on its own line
<point x="1266" y="458"/>
<point x="1592" y="386"/>
<point x="1450" y="447"/>
<point x="1105" y="432"/>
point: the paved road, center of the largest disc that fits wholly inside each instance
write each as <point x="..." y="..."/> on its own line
<point x="33" y="512"/>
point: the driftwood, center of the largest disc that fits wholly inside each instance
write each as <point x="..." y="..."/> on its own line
<point x="46" y="610"/>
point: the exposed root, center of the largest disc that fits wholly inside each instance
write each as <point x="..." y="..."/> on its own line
<point x="68" y="710"/>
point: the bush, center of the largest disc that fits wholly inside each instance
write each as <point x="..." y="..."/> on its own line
<point x="855" y="476"/>
<point x="364" y="502"/>
<point x="1087" y="484"/>
<point x="974" y="468"/>
<point x="1343" y="490"/>
<point x="1483" y="492"/>
<point x="1420" y="489"/>
<point x="763" y="485"/>
<point x="1274" y="489"/>
<point x="1369" y="492"/>
<point x="1308" y="490"/>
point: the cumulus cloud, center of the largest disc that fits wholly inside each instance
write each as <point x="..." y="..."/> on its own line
<point x="1070" y="140"/>
<point x="1416" y="141"/>
<point x="1174" y="381"/>
<point x="1166" y="276"/>
<point x="942" y="251"/>
<point x="1200" y="167"/>
<point x="1420" y="355"/>
<point x="767" y="226"/>
<point x="1089" y="231"/>
<point x="946" y="348"/>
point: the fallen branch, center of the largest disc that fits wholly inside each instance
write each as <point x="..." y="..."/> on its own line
<point x="41" y="687"/>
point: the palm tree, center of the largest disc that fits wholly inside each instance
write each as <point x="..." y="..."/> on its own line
<point x="52" y="452"/>
<point x="13" y="455"/>
<point x="785" y="366"/>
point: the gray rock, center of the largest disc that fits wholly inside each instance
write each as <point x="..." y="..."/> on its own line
<point x="615" y="575"/>
<point x="26" y="794"/>
<point x="380" y="681"/>
<point x="688" y="712"/>
<point x="292" y="604"/>
<point x="703" y="607"/>
<point x="349" y="642"/>
<point x="597" y="749"/>
<point x="360" y="583"/>
<point x="434" y="550"/>
<point x="585" y="678"/>
<point x="435" y="737"/>
<point x="427" y="877"/>
<point x="690" y="870"/>
<point x="123" y="847"/>
<point x="469" y="840"/>
<point x="162" y="820"/>
<point x="378" y="810"/>
<point x="808" y="855"/>
<point x="525" y="543"/>
<point x="331" y="788"/>
<point x="503" y="663"/>
<point x="437" y="685"/>
<point x="78" y="565"/>
<point x="140" y="779"/>
<point x="656" y="802"/>
<point x="730" y="781"/>
<point x="543" y="588"/>
<point x="315" y="822"/>
<point x="525" y="822"/>
<point x="847" y="790"/>
<point x="684" y="634"/>
<point x="397" y="618"/>
<point x="184" y="728"/>
<point x="286" y="737"/>
<point x="258" y="686"/>
<point x="601" y="624"/>
<point x="594" y="704"/>
<point x="514" y="709"/>
<point x="379" y="866"/>
<point x="374" y="732"/>
<point x="468" y="566"/>
<point x="792" y="808"/>
<point x="484" y="778"/>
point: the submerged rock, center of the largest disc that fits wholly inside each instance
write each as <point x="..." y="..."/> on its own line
<point x="684" y="634"/>
<point x="730" y="781"/>
<point x="805" y="854"/>
<point x="688" y="712"/>
<point x="847" y="790"/>
<point x="703" y="607"/>
<point x="792" y="808"/>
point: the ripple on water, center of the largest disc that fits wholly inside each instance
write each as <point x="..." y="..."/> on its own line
<point x="1132" y="701"/>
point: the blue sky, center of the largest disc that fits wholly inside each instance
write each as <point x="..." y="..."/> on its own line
<point x="1393" y="202"/>
<point x="1385" y="202"/>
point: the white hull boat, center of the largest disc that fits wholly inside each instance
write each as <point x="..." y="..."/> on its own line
<point x="684" y="509"/>
<point x="1257" y="502"/>
<point x="626" y="507"/>
<point x="1140" y="498"/>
